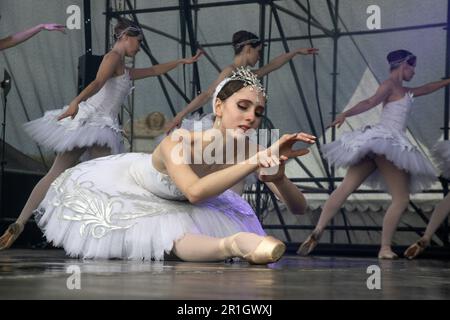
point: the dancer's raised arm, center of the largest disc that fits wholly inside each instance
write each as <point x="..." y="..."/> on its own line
<point x="282" y="59"/>
<point x="162" y="68"/>
<point x="22" y="36"/>
<point x="380" y="95"/>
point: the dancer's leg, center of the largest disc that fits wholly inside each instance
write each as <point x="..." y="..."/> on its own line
<point x="353" y="179"/>
<point x="439" y="214"/>
<point x="398" y="186"/>
<point x="62" y="162"/>
<point x="355" y="176"/>
<point x="99" y="151"/>
<point x="194" y="247"/>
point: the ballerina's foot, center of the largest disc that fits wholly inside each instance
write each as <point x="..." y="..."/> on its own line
<point x="267" y="250"/>
<point x="308" y="245"/>
<point x="387" y="254"/>
<point x="415" y="249"/>
<point x="10" y="235"/>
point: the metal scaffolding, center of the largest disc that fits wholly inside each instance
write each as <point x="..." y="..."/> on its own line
<point x="189" y="26"/>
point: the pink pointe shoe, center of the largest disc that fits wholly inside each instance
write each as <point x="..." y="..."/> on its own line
<point x="269" y="250"/>
<point x="309" y="244"/>
<point x="415" y="249"/>
<point x="10" y="235"/>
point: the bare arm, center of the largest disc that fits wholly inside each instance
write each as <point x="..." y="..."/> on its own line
<point x="199" y="101"/>
<point x="198" y="189"/>
<point x="429" y="87"/>
<point x="162" y="68"/>
<point x="195" y="188"/>
<point x="281" y="60"/>
<point x="106" y="70"/>
<point x="382" y="93"/>
<point x="22" y="36"/>
<point x="287" y="192"/>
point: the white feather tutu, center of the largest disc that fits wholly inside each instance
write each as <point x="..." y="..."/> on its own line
<point x="387" y="138"/>
<point x="441" y="153"/>
<point x="88" y="128"/>
<point x="121" y="207"/>
<point x="353" y="146"/>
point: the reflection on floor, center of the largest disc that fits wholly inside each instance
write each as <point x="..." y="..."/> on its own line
<point x="48" y="274"/>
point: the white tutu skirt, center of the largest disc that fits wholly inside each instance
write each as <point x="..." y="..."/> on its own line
<point x="88" y="128"/>
<point x="103" y="209"/>
<point x="441" y="153"/>
<point x="353" y="146"/>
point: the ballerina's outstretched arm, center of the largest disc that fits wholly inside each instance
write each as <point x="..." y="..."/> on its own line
<point x="429" y="87"/>
<point x="282" y="59"/>
<point x="197" y="189"/>
<point x="106" y="70"/>
<point x="22" y="36"/>
<point x="162" y="68"/>
<point x="198" y="101"/>
<point x="383" y="91"/>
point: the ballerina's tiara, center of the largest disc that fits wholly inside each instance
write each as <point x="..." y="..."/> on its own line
<point x="245" y="75"/>
<point x="410" y="58"/>
<point x="134" y="30"/>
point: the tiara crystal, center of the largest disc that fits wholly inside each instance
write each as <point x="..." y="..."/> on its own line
<point x="249" y="78"/>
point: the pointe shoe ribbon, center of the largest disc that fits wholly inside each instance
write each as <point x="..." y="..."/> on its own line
<point x="415" y="249"/>
<point x="10" y="235"/>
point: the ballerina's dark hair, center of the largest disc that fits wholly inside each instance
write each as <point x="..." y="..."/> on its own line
<point x="130" y="27"/>
<point x="242" y="38"/>
<point x="395" y="58"/>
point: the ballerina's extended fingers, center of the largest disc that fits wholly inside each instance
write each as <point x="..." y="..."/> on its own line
<point x="304" y="137"/>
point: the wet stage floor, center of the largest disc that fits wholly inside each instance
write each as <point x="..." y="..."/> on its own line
<point x="46" y="274"/>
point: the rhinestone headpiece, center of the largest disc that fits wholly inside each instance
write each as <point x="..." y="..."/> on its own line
<point x="245" y="75"/>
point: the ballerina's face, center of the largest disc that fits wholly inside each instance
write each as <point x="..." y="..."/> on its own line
<point x="253" y="54"/>
<point x="132" y="45"/>
<point x="242" y="111"/>
<point x="409" y="68"/>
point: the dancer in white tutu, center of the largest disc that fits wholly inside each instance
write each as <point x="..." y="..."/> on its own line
<point x="247" y="47"/>
<point x="89" y="125"/>
<point x="141" y="206"/>
<point x="442" y="155"/>
<point x="380" y="155"/>
<point x="19" y="37"/>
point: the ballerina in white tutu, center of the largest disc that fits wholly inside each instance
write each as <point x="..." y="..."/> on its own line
<point x="247" y="47"/>
<point x="89" y="125"/>
<point x="380" y="156"/>
<point x="442" y="155"/>
<point x="143" y="206"/>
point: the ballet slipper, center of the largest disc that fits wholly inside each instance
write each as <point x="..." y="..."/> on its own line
<point x="309" y="244"/>
<point x="10" y="235"/>
<point x="387" y="255"/>
<point x="269" y="250"/>
<point x="415" y="249"/>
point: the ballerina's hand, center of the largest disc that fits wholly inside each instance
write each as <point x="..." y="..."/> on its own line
<point x="174" y="123"/>
<point x="54" y="27"/>
<point x="340" y="119"/>
<point x="306" y="51"/>
<point x="192" y="59"/>
<point x="283" y="147"/>
<point x="273" y="173"/>
<point x="71" y="111"/>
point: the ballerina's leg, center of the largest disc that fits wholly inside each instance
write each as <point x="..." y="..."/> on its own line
<point x="353" y="179"/>
<point x="398" y="186"/>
